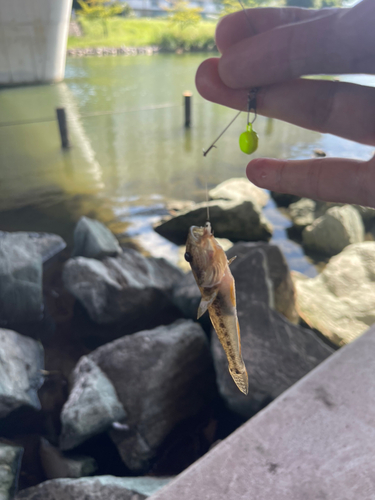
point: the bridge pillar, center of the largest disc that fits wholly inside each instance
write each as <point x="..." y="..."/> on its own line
<point x="33" y="37"/>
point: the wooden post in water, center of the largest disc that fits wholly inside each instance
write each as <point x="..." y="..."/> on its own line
<point x="187" y="101"/>
<point x="61" y="118"/>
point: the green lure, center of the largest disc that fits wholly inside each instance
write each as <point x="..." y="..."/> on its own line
<point x="249" y="140"/>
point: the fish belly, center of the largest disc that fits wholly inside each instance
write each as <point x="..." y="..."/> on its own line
<point x="224" y="319"/>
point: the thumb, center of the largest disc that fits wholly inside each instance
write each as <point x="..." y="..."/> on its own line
<point x="327" y="179"/>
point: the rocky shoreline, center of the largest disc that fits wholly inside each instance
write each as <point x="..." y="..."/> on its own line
<point x="113" y="51"/>
<point x="126" y="51"/>
<point x="110" y="386"/>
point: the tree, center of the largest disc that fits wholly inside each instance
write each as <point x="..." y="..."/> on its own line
<point x="180" y="13"/>
<point x="308" y="4"/>
<point x="314" y="4"/>
<point x="230" y="6"/>
<point x="102" y="10"/>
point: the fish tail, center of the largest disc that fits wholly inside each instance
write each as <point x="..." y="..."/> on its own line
<point x="240" y="378"/>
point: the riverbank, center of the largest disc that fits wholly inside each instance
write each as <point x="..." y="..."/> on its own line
<point x="139" y="35"/>
<point x="113" y="51"/>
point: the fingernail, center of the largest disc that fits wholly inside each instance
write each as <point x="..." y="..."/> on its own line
<point x="256" y="171"/>
<point x="260" y="171"/>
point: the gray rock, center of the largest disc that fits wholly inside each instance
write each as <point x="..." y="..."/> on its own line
<point x="95" y="488"/>
<point x="367" y="213"/>
<point x="121" y="288"/>
<point x="331" y="233"/>
<point x="47" y="245"/>
<point x="21" y="362"/>
<point x="302" y="213"/>
<point x="283" y="199"/>
<point x="274" y="276"/>
<point x="10" y="463"/>
<point x="94" y="240"/>
<point x="58" y="465"/>
<point x="92" y="405"/>
<point x="270" y="277"/>
<point x="240" y="189"/>
<point x="235" y="220"/>
<point x="21" y="298"/>
<point x="162" y="377"/>
<point x="340" y="302"/>
<point x="276" y="352"/>
<point x="186" y="296"/>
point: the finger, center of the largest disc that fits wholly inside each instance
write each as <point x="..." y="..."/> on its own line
<point x="338" y="108"/>
<point x="235" y="27"/>
<point x="327" y="179"/>
<point x="333" y="44"/>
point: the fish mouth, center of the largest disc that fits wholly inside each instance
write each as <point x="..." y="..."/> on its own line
<point x="196" y="233"/>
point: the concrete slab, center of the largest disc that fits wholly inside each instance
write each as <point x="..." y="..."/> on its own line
<point x="314" y="442"/>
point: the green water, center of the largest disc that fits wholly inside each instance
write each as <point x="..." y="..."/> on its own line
<point x="130" y="152"/>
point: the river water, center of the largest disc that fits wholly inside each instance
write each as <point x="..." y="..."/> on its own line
<point x="130" y="152"/>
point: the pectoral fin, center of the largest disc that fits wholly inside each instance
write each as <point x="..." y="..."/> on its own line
<point x="205" y="303"/>
<point x="231" y="260"/>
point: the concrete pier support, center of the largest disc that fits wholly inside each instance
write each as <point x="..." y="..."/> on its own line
<point x="33" y="37"/>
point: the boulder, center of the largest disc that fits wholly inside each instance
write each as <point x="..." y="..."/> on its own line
<point x="10" y="463"/>
<point x="162" y="377"/>
<point x="276" y="352"/>
<point x="186" y="296"/>
<point x="368" y="217"/>
<point x="235" y="220"/>
<point x="269" y="274"/>
<point x="332" y="232"/>
<point x="274" y="277"/>
<point x="367" y="213"/>
<point x="47" y="245"/>
<point x="95" y="488"/>
<point x="302" y="213"/>
<point x="21" y="364"/>
<point x="340" y="302"/>
<point x="283" y="199"/>
<point x="58" y="465"/>
<point x="94" y="240"/>
<point x="91" y="408"/>
<point x="21" y="298"/>
<point x="121" y="288"/>
<point x="239" y="189"/>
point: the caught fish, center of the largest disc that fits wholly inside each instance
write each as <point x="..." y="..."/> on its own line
<point x="211" y="271"/>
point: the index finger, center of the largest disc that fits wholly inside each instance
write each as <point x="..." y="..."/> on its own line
<point x="340" y="42"/>
<point x="235" y="27"/>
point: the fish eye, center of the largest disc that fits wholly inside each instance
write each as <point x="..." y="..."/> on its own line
<point x="188" y="257"/>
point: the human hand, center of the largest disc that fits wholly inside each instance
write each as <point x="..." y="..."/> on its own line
<point x="280" y="46"/>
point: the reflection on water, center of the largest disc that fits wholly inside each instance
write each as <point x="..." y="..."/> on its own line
<point x="130" y="149"/>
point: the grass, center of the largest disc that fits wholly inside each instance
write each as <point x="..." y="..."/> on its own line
<point x="145" y="32"/>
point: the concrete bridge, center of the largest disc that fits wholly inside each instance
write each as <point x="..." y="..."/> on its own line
<point x="33" y="37"/>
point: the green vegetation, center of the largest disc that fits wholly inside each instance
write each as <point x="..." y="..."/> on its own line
<point x="230" y="6"/>
<point x="314" y="4"/>
<point x="140" y="32"/>
<point x="101" y="10"/>
<point x="184" y="15"/>
<point x="183" y="28"/>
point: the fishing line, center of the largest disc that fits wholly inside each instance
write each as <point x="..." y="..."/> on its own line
<point x="249" y="139"/>
<point x="208" y="208"/>
<point x="223" y="132"/>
